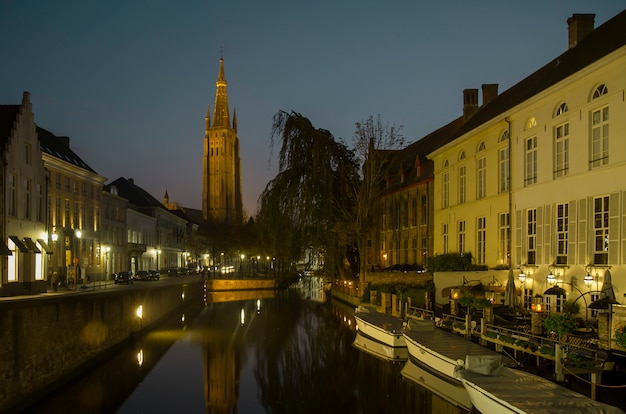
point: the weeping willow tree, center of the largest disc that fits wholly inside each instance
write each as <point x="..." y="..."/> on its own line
<point x="298" y="208"/>
<point x="326" y="194"/>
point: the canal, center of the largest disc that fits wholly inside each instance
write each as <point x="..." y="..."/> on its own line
<point x="284" y="352"/>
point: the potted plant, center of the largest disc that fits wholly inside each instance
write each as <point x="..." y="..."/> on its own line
<point x="620" y="336"/>
<point x="561" y="324"/>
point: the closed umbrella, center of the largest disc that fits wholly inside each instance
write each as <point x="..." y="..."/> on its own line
<point x="510" y="292"/>
<point x="607" y="294"/>
<point x="607" y="286"/>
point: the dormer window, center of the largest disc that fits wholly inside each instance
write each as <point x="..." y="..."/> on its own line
<point x="600" y="90"/>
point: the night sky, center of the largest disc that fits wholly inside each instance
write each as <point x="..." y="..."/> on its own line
<point x="130" y="81"/>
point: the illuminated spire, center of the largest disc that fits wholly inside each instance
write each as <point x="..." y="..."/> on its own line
<point x="221" y="115"/>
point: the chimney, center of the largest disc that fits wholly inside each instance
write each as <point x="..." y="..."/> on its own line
<point x="579" y="26"/>
<point x="65" y="141"/>
<point x="490" y="92"/>
<point x="25" y="98"/>
<point x="470" y="103"/>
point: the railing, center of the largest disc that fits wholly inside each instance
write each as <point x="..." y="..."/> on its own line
<point x="419" y="313"/>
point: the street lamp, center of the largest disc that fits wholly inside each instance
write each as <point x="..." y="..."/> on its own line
<point x="107" y="249"/>
<point x="78" y="235"/>
<point x="158" y="251"/>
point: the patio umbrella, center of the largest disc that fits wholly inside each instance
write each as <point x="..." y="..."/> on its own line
<point x="607" y="294"/>
<point x="607" y="287"/>
<point x="510" y="292"/>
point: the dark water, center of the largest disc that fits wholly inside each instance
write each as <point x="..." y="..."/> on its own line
<point x="281" y="354"/>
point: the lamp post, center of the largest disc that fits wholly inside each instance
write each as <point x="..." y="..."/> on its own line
<point x="107" y="249"/>
<point x="158" y="251"/>
<point x="78" y="235"/>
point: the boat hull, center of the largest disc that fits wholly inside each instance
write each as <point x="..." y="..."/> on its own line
<point x="453" y="392"/>
<point x="383" y="328"/>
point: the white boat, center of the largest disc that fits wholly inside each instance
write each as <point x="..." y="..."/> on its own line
<point x="380" y="350"/>
<point x="450" y="390"/>
<point x="509" y="390"/>
<point x="381" y="327"/>
<point x="440" y="350"/>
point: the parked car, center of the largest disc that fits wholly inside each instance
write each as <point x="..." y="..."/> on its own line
<point x="154" y="274"/>
<point x="142" y="275"/>
<point x="123" y="278"/>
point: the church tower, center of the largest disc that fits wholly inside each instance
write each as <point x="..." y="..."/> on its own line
<point x="221" y="188"/>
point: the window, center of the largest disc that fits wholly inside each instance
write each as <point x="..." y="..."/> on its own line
<point x="27" y="198"/>
<point x="11" y="195"/>
<point x="445" y="190"/>
<point x="76" y="223"/>
<point x="67" y="183"/>
<point x="58" y="181"/>
<point x="461" y="232"/>
<point x="462" y="189"/>
<point x="503" y="238"/>
<point x="444" y="237"/>
<point x="482" y="178"/>
<point x="561" y="150"/>
<point x="28" y="157"/>
<point x="562" y="223"/>
<point x="40" y="201"/>
<point x="600" y="90"/>
<point x="601" y="230"/>
<point x="531" y="236"/>
<point x="530" y="173"/>
<point x="66" y="214"/>
<point x="57" y="212"/>
<point x="405" y="213"/>
<point x="599" y="137"/>
<point x="503" y="165"/>
<point x="481" y="239"/>
<point x="414" y="211"/>
<point x="424" y="210"/>
<point x="531" y="122"/>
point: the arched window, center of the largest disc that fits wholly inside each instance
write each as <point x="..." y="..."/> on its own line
<point x="600" y="90"/>
<point x="461" y="155"/>
<point x="531" y="122"/>
<point x="481" y="146"/>
<point x="504" y="136"/>
<point x="561" y="109"/>
<point x="446" y="164"/>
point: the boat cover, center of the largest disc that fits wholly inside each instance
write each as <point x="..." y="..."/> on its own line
<point x="528" y="393"/>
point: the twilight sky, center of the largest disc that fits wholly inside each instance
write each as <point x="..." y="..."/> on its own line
<point x="129" y="81"/>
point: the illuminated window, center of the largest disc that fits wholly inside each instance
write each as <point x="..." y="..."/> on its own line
<point x="503" y="238"/>
<point x="531" y="236"/>
<point x="531" y="122"/>
<point x="601" y="230"/>
<point x="562" y="224"/>
<point x="461" y="236"/>
<point x="599" y="137"/>
<point x="481" y="239"/>
<point x="530" y="173"/>
<point x="444" y="237"/>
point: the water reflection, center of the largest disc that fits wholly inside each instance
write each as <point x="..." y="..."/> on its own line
<point x="281" y="354"/>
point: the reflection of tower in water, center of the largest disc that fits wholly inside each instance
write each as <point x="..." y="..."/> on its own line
<point x="222" y="344"/>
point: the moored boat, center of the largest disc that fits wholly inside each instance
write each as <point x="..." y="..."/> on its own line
<point x="384" y="328"/>
<point x="506" y="390"/>
<point x="442" y="351"/>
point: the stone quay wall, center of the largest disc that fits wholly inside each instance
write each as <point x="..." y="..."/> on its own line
<point x="47" y="340"/>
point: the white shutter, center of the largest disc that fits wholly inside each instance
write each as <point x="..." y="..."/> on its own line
<point x="623" y="227"/>
<point x="548" y="251"/>
<point x="540" y="244"/>
<point x="583" y="255"/>
<point x="571" y="236"/>
<point x="614" y="228"/>
<point x="519" y="236"/>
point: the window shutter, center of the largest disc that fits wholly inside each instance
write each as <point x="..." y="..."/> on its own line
<point x="548" y="251"/>
<point x="540" y="244"/>
<point x="583" y="254"/>
<point x="614" y="228"/>
<point x="519" y="238"/>
<point x="571" y="235"/>
<point x="624" y="227"/>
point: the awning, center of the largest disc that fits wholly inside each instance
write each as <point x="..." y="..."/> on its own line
<point x="4" y="250"/>
<point x="20" y="245"/>
<point x="31" y="245"/>
<point x="45" y="246"/>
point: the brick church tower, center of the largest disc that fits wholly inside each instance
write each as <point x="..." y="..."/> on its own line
<point x="221" y="166"/>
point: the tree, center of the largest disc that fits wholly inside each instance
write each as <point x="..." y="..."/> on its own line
<point x="298" y="207"/>
<point x="376" y="146"/>
<point x="326" y="194"/>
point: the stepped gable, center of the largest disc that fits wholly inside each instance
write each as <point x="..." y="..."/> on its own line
<point x="8" y="115"/>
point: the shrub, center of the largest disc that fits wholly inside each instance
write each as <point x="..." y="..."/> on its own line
<point x="620" y="336"/>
